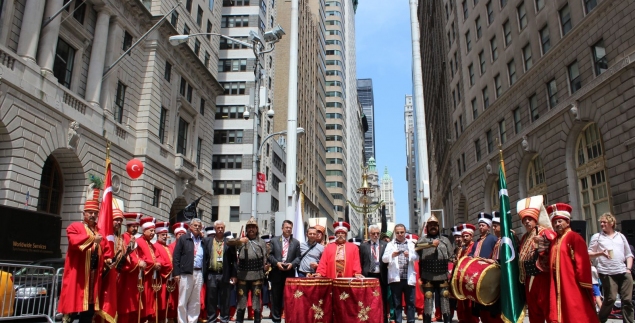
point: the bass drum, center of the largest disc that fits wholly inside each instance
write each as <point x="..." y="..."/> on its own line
<point x="477" y="280"/>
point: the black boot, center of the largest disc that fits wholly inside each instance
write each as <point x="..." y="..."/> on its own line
<point x="257" y="316"/>
<point x="427" y="318"/>
<point x="240" y="316"/>
<point x="447" y="318"/>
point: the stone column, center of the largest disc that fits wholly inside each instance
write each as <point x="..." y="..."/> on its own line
<point x="114" y="44"/>
<point x="97" y="56"/>
<point x="30" y="29"/>
<point x="49" y="36"/>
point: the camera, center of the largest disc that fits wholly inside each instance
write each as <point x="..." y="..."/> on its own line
<point x="246" y="115"/>
<point x="274" y="34"/>
<point x="270" y="113"/>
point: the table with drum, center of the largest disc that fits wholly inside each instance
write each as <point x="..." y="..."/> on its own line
<point x="325" y="300"/>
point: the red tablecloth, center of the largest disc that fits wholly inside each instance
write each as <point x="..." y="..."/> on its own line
<point x="357" y="300"/>
<point x="308" y="300"/>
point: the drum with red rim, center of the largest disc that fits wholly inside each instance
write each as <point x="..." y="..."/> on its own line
<point x="308" y="300"/>
<point x="477" y="280"/>
<point x="357" y="300"/>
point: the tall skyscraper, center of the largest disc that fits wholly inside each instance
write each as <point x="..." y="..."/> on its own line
<point x="545" y="79"/>
<point x="311" y="159"/>
<point x="388" y="196"/>
<point x="367" y="100"/>
<point x="411" y="170"/>
<point x="234" y="136"/>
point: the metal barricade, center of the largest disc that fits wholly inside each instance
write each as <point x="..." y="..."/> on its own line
<point x="28" y="291"/>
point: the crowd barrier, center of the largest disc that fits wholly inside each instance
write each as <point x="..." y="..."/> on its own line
<point x="28" y="291"/>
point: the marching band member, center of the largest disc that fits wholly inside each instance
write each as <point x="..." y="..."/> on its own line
<point x="464" y="307"/>
<point x="150" y="266"/>
<point x="485" y="244"/>
<point x="178" y="229"/>
<point x="128" y="301"/>
<point x="341" y="258"/>
<point x="165" y="257"/>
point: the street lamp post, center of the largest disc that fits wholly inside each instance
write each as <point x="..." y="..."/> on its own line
<point x="365" y="208"/>
<point x="258" y="46"/>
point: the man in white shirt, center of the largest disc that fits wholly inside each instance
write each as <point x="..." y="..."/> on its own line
<point x="614" y="263"/>
<point x="400" y="256"/>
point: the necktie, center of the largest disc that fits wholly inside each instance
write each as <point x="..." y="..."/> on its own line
<point x="285" y="249"/>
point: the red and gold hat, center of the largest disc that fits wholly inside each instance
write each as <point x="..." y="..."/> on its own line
<point x="341" y="226"/>
<point x="148" y="223"/>
<point x="559" y="211"/>
<point x="132" y="218"/>
<point x="91" y="205"/>
<point x="468" y="228"/>
<point x="162" y="227"/>
<point x="180" y="227"/>
<point x="117" y="214"/>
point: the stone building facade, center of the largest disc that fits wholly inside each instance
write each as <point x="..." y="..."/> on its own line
<point x="553" y="81"/>
<point x="57" y="112"/>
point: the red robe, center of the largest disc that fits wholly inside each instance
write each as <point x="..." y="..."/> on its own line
<point x="74" y="296"/>
<point x="165" y="256"/>
<point x="571" y="291"/>
<point x="352" y="266"/>
<point x="109" y="296"/>
<point x="535" y="286"/>
<point x="147" y="253"/>
<point x="173" y="302"/>
<point x="128" y="302"/>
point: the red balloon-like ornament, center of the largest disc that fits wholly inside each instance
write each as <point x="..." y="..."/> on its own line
<point x="134" y="168"/>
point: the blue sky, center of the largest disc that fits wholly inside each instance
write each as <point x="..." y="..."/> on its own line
<point x="384" y="53"/>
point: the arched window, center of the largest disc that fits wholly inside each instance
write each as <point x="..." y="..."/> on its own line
<point x="592" y="185"/>
<point x="494" y="200"/>
<point x="536" y="183"/>
<point x="51" y="187"/>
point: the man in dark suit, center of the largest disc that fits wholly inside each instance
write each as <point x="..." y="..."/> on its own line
<point x="284" y="259"/>
<point x="370" y="253"/>
<point x="220" y="260"/>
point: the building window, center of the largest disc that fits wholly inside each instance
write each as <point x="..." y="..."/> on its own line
<point x="201" y="107"/>
<point x="51" y="187"/>
<point x="600" y="62"/>
<point x="232" y="65"/>
<point x="490" y="13"/>
<point x="589" y="5"/>
<point x="199" y="153"/>
<point x="156" y="197"/>
<point x="181" y="143"/>
<point x="527" y="57"/>
<point x="552" y="92"/>
<point x="183" y="86"/>
<point x="458" y="91"/>
<point x="565" y="19"/>
<point x="490" y="141"/>
<point x="214" y="213"/>
<point x="465" y="12"/>
<point x="186" y="29"/>
<point x="499" y="85"/>
<point x="454" y="98"/>
<point x="234" y="21"/>
<point x="209" y="29"/>
<point x="233" y="88"/>
<point x="234" y="214"/>
<point x="507" y="30"/>
<point x="174" y="19"/>
<point x="188" y="5"/>
<point x="230" y="112"/>
<point x="493" y="48"/>
<point x="167" y="74"/>
<point x="461" y="124"/>
<point x="518" y="126"/>
<point x="502" y="131"/>
<point x="190" y="90"/>
<point x="335" y="184"/>
<point x="227" y="161"/>
<point x="539" y="4"/>
<point x="64" y="61"/>
<point x="468" y="41"/>
<point x="207" y="58"/>
<point x="479" y="31"/>
<point x="471" y="71"/>
<point x="162" y="124"/>
<point x="456" y="130"/>
<point x="593" y="186"/>
<point x="120" y="98"/>
<point x="463" y="161"/>
<point x="229" y="44"/>
<point x="481" y="60"/>
<point x="511" y="72"/>
<point x="485" y="98"/>
<point x="127" y="41"/>
<point x="522" y="15"/>
<point x="536" y="180"/>
<point x="275" y="182"/>
<point x="503" y="3"/>
<point x="231" y="3"/>
<point x="80" y="11"/>
<point x="575" y="80"/>
<point x="228" y="137"/>
<point x="474" y="109"/>
<point x="275" y="204"/>
<point x="477" y="149"/>
<point x="544" y="39"/>
<point x="533" y="107"/>
<point x="197" y="47"/>
<point x="199" y="17"/>
<point x="458" y="166"/>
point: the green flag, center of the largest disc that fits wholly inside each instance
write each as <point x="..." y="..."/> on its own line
<point x="512" y="304"/>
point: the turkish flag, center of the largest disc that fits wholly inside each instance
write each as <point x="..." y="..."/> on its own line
<point x="104" y="223"/>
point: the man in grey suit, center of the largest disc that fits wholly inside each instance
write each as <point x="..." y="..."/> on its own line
<point x="370" y="253"/>
<point x="284" y="259"/>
